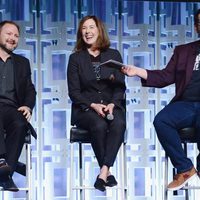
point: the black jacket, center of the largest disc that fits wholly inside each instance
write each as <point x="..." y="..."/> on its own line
<point x="25" y="90"/>
<point x="83" y="87"/>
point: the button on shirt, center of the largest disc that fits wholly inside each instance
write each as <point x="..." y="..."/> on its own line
<point x="7" y="87"/>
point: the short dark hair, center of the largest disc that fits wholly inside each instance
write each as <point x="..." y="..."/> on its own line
<point x="9" y="22"/>
<point x="196" y="18"/>
<point x="103" y="41"/>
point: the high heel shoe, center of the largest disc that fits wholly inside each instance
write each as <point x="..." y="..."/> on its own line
<point x="100" y="184"/>
<point x="111" y="181"/>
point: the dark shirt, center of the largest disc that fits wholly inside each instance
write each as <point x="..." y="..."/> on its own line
<point x="95" y="63"/>
<point x="7" y="86"/>
<point x="192" y="91"/>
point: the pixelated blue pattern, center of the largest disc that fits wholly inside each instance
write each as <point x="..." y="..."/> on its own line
<point x="145" y="32"/>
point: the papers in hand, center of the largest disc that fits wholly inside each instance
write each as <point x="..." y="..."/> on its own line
<point x="113" y="63"/>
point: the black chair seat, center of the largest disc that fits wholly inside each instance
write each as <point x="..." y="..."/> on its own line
<point x="83" y="136"/>
<point x="79" y="135"/>
<point x="188" y="135"/>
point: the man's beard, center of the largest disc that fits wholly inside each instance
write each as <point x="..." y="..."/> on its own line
<point x="3" y="47"/>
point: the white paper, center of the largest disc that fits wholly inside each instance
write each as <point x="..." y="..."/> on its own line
<point x="113" y="64"/>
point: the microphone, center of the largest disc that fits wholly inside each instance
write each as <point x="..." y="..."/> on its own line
<point x="109" y="116"/>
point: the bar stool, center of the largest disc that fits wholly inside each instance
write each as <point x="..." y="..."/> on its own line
<point x="187" y="135"/>
<point x="25" y="168"/>
<point x="80" y="136"/>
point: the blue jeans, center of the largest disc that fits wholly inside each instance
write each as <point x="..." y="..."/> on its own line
<point x="168" y="121"/>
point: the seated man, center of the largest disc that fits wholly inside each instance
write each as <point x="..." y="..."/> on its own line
<point x="183" y="111"/>
<point x="17" y="99"/>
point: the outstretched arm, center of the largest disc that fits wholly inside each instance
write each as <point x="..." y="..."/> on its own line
<point x="131" y="70"/>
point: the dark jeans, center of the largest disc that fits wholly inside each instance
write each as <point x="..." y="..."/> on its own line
<point x="107" y="136"/>
<point x="173" y="117"/>
<point x="13" y="127"/>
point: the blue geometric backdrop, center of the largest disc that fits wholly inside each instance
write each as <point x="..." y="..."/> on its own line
<point x="145" y="32"/>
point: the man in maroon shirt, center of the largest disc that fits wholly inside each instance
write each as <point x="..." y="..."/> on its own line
<point x="184" y="109"/>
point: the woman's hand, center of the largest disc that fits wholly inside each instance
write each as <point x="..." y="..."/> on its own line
<point x="109" y="108"/>
<point x="99" y="108"/>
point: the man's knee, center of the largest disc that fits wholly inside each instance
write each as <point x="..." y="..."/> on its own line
<point x="159" y="119"/>
<point x="19" y="126"/>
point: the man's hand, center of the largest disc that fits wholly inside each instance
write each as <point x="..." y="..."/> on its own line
<point x="26" y="112"/>
<point x="131" y="70"/>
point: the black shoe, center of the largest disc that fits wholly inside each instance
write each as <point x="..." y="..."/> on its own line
<point x="9" y="185"/>
<point x="111" y="181"/>
<point x="100" y="184"/>
<point x="5" y="169"/>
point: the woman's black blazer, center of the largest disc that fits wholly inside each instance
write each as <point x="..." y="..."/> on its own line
<point x="83" y="87"/>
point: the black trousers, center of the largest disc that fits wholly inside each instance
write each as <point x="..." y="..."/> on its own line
<point x="106" y="136"/>
<point x="13" y="127"/>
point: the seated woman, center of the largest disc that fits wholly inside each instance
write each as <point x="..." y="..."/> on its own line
<point x="96" y="92"/>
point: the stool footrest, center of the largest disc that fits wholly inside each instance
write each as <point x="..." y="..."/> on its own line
<point x="190" y="187"/>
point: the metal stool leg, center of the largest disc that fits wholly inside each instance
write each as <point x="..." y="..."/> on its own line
<point x="125" y="171"/>
<point x="81" y="171"/>
<point x="28" y="171"/>
<point x="166" y="178"/>
<point x="71" y="171"/>
<point x="122" y="170"/>
<point x="186" y="190"/>
<point x="175" y="193"/>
